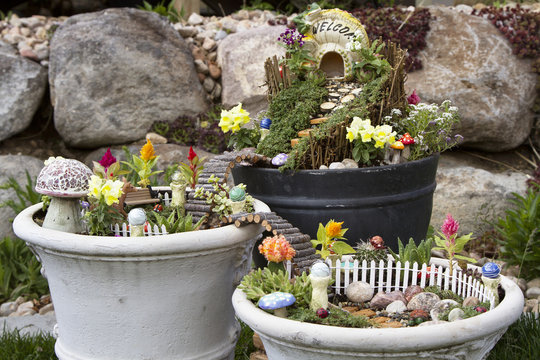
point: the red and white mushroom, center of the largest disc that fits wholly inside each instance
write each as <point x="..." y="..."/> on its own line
<point x="406" y="139"/>
<point x="65" y="181"/>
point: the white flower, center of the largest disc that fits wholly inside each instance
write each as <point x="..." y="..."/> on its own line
<point x="51" y="159"/>
<point x="453" y="109"/>
<point x="446" y="103"/>
<point x="395" y="112"/>
<point x="447" y="115"/>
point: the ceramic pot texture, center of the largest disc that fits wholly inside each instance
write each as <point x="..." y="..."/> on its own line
<point x="469" y="339"/>
<point x="159" y="297"/>
<point x="393" y="201"/>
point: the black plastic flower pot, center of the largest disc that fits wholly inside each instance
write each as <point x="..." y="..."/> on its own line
<point x="393" y="201"/>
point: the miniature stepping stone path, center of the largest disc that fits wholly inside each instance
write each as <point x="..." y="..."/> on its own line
<point x="221" y="166"/>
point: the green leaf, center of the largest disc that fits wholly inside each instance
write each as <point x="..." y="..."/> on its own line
<point x="342" y="248"/>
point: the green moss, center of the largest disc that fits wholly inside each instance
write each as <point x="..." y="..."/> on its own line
<point x="443" y="294"/>
<point x="290" y="112"/>
<point x="469" y="311"/>
<point x="335" y="317"/>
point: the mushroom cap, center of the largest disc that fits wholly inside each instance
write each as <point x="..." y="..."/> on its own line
<point x="406" y="139"/>
<point x="64" y="178"/>
<point x="398" y="145"/>
<point x="491" y="270"/>
<point x="276" y="300"/>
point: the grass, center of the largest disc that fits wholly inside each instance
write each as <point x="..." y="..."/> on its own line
<point x="521" y="341"/>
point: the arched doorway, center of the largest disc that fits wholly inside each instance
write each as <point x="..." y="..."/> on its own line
<point x="332" y="64"/>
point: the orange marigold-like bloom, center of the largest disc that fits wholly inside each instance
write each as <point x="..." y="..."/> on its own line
<point x="147" y="151"/>
<point x="276" y="249"/>
<point x="333" y="229"/>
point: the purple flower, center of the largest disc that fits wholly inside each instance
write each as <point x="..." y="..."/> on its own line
<point x="413" y="99"/>
<point x="458" y="138"/>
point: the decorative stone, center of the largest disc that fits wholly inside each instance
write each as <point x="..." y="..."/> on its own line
<point x="201" y="66"/>
<point x="440" y="307"/>
<point x="336" y="165"/>
<point x="365" y="312"/>
<point x="214" y="70"/>
<point x="456" y="314"/>
<point x="381" y="300"/>
<point x="323" y="167"/>
<point x="350" y="309"/>
<point x="279" y="159"/>
<point x="531" y="305"/>
<point x="208" y="84"/>
<point x="380" y="320"/>
<point x="491" y="270"/>
<point x="411" y="291"/>
<point x="46" y="309"/>
<point x="349" y="163"/>
<point x="391" y="324"/>
<point x="397" y="306"/>
<point x="418" y="313"/>
<point x="155" y="138"/>
<point x="359" y="292"/>
<point x="534" y="283"/>
<point x="195" y="19"/>
<point x="8" y="308"/>
<point x="424" y="301"/>
<point x="209" y="44"/>
<point x="327" y="106"/>
<point x="471" y="301"/>
<point x="347" y="98"/>
<point x="533" y="292"/>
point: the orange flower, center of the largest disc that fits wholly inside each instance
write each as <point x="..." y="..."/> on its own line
<point x="333" y="229"/>
<point x="276" y="249"/>
<point x="147" y="151"/>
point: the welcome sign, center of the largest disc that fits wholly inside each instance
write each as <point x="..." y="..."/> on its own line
<point x="329" y="32"/>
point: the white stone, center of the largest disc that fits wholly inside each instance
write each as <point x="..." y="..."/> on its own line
<point x="209" y="44"/>
<point x="456" y="314"/>
<point x="323" y="167"/>
<point x="349" y="163"/>
<point x="397" y="306"/>
<point x="440" y="307"/>
<point x="336" y="165"/>
<point x="466" y="9"/>
<point x="359" y="292"/>
<point x="195" y="19"/>
<point x="46" y="309"/>
<point x="7" y="308"/>
<point x="156" y="138"/>
<point x="533" y="283"/>
<point x="533" y="292"/>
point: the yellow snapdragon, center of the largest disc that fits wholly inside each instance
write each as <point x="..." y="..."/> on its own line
<point x="108" y="190"/>
<point x="360" y="129"/>
<point x="232" y="120"/>
<point x="383" y="134"/>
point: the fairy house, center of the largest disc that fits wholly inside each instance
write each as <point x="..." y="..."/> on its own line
<point x="326" y="36"/>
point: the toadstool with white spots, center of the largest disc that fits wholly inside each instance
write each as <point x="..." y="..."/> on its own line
<point x="65" y="181"/>
<point x="277" y="301"/>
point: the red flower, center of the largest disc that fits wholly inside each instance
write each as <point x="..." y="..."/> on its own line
<point x="108" y="159"/>
<point x="192" y="154"/>
<point x="413" y="99"/>
<point x="450" y="227"/>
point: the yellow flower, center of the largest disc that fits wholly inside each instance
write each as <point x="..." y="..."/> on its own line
<point x="383" y="134"/>
<point x="333" y="229"/>
<point x="94" y="187"/>
<point x="233" y="119"/>
<point x="147" y="151"/>
<point x="112" y="190"/>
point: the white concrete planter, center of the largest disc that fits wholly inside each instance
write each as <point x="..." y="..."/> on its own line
<point x="159" y="297"/>
<point x="471" y="338"/>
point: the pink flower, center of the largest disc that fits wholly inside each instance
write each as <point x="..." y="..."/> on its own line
<point x="413" y="99"/>
<point x="450" y="227"/>
<point x="107" y="160"/>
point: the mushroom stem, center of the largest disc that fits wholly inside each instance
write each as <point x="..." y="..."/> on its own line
<point x="63" y="214"/>
<point x="281" y="312"/>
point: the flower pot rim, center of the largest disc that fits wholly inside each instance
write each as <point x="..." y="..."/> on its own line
<point x="112" y="246"/>
<point x="389" y="167"/>
<point x="410" y="338"/>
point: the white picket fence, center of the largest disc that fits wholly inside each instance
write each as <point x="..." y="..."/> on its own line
<point x="389" y="276"/>
<point x="123" y="229"/>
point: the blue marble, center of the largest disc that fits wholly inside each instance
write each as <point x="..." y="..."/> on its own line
<point x="491" y="270"/>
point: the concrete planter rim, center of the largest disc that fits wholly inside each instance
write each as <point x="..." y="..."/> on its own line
<point x="111" y="246"/>
<point x="372" y="340"/>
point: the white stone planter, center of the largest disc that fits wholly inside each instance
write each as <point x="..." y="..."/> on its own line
<point x="471" y="338"/>
<point x="158" y="297"/>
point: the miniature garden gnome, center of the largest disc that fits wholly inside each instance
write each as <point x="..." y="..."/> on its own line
<point x="178" y="187"/>
<point x="137" y="219"/>
<point x="238" y="198"/>
<point x="320" y="277"/>
<point x="491" y="278"/>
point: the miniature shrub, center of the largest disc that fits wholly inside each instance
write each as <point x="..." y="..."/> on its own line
<point x="519" y="233"/>
<point x="336" y="317"/>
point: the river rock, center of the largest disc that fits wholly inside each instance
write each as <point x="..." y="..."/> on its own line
<point x="411" y="291"/>
<point x="471" y="63"/>
<point x="14" y="166"/>
<point x="381" y="300"/>
<point x="440" y="307"/>
<point x="22" y="85"/>
<point x="471" y="301"/>
<point x="533" y="292"/>
<point x="359" y="292"/>
<point x="397" y="306"/>
<point x="423" y="301"/>
<point x="533" y="283"/>
<point x="115" y="72"/>
<point x="242" y="56"/>
<point x="456" y="314"/>
<point x="465" y="191"/>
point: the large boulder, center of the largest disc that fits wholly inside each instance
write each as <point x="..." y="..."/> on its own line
<point x="15" y="166"/>
<point x="472" y="195"/>
<point x="468" y="61"/>
<point x="113" y="73"/>
<point x="242" y="56"/>
<point x="22" y="85"/>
